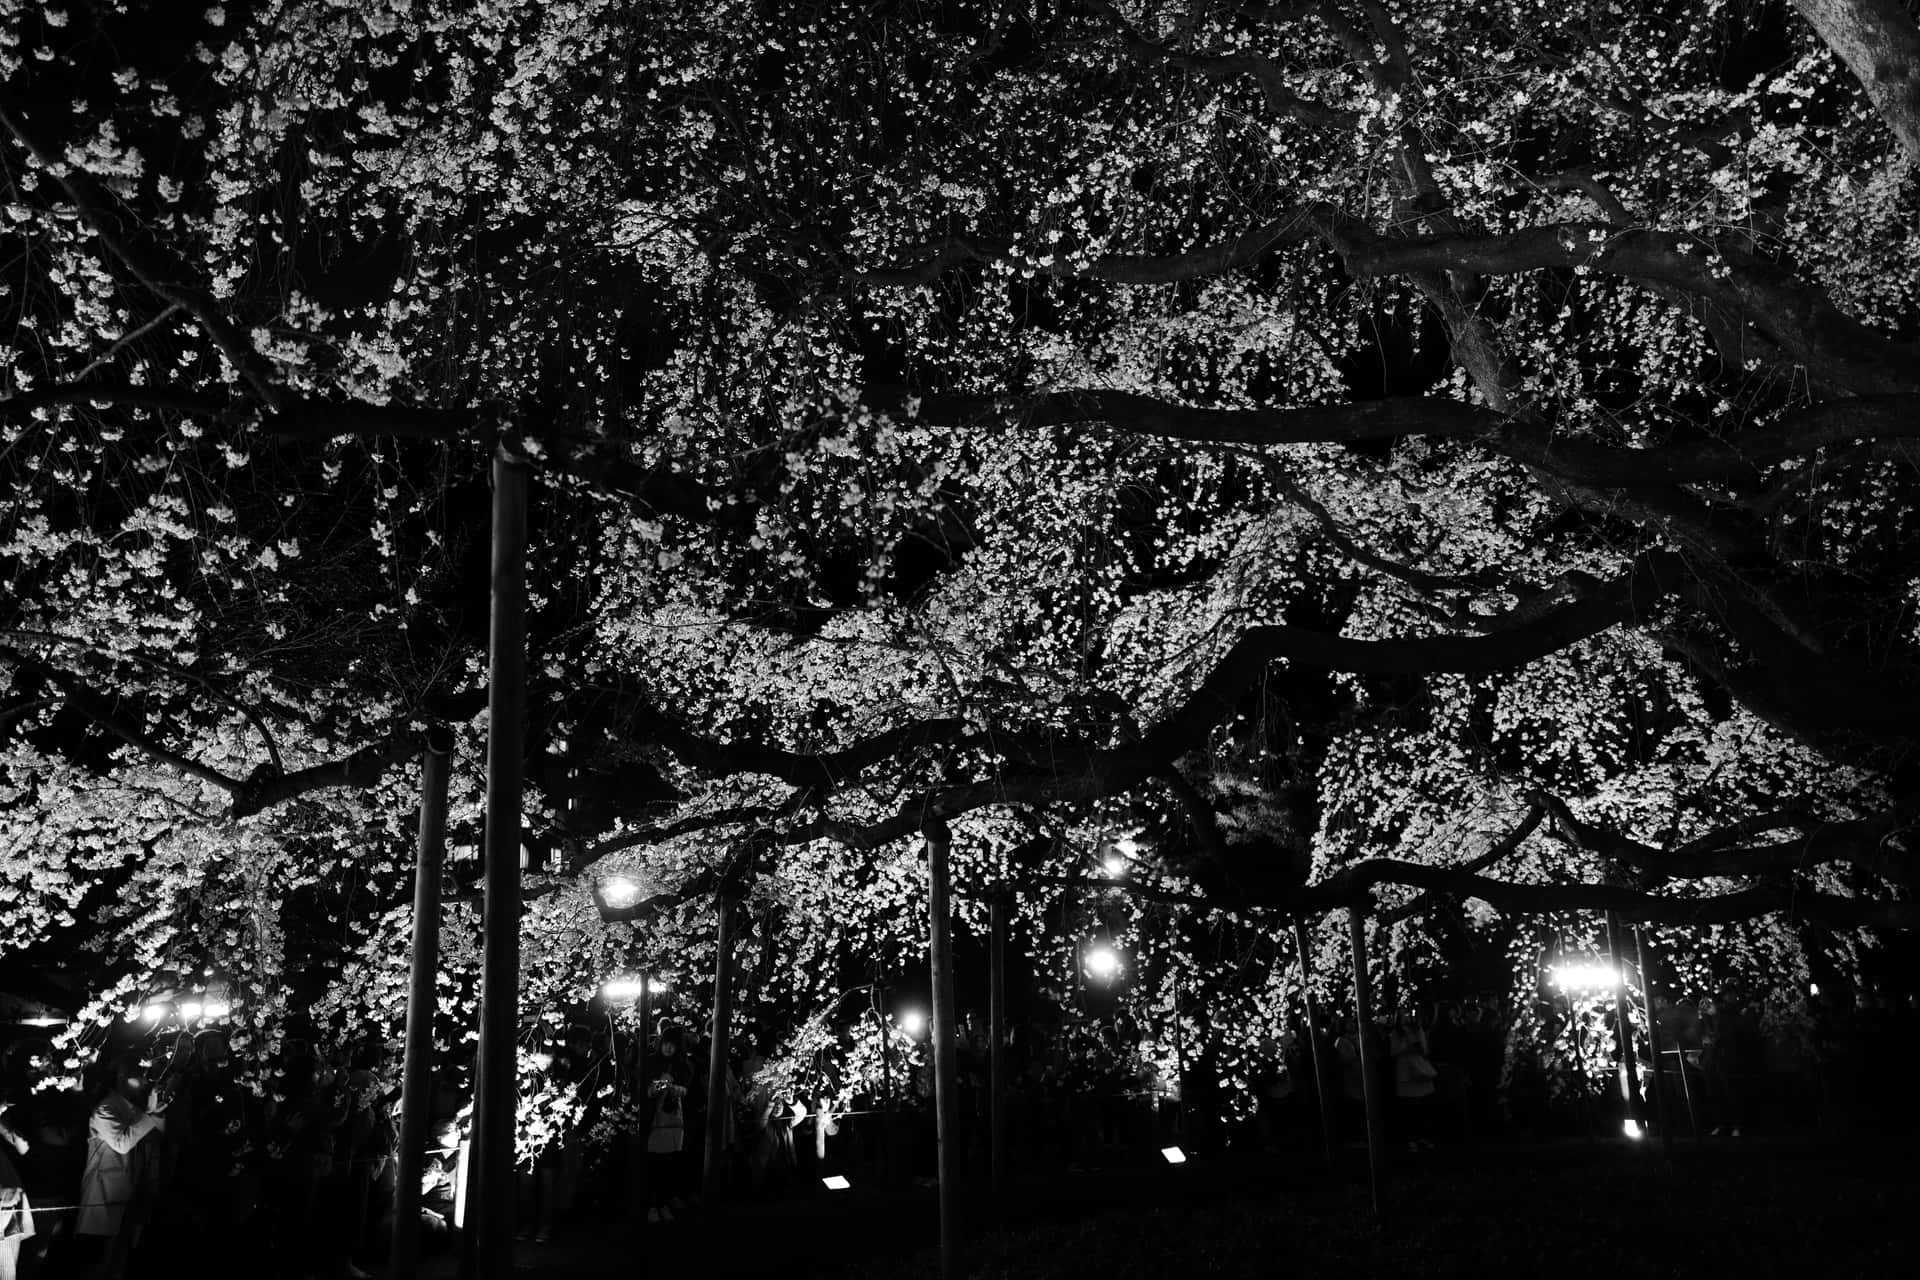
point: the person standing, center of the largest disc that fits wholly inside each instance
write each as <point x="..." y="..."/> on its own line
<point x="118" y="1186"/>
<point x="16" y="1212"/>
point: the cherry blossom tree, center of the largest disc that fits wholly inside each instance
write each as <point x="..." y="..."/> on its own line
<point x="1437" y="453"/>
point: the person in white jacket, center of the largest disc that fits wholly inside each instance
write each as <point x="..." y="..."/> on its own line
<point x="117" y="1189"/>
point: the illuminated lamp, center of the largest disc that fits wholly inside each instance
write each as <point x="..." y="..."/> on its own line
<point x="619" y="897"/>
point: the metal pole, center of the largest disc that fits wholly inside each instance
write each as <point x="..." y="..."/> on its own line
<point x="498" y="1100"/>
<point x="1653" y="1044"/>
<point x="1623" y="1023"/>
<point x="945" y="1052"/>
<point x="416" y="1080"/>
<point x="1329" y="1130"/>
<point x="716" y="1155"/>
<point x="1370" y="1064"/>
<point x="1183" y="1117"/>
<point x="997" y="1054"/>
<point x="875" y="997"/>
<point x="637" y="1150"/>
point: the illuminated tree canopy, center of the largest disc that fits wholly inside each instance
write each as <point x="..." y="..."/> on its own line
<point x="1457" y="451"/>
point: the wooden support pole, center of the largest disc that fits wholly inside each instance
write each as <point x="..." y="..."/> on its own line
<point x="416" y="1077"/>
<point x="945" y="1050"/>
<point x="1370" y="1064"/>
<point x="1323" y="1095"/>
<point x="716" y="1152"/>
<point x="497" y="1086"/>
<point x="1658" y="1085"/>
<point x="1623" y="1025"/>
<point x="997" y="1054"/>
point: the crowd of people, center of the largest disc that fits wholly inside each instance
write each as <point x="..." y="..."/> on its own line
<point x="165" y="1160"/>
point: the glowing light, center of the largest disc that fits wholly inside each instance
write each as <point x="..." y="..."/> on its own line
<point x="621" y="988"/>
<point x="1632" y="1128"/>
<point x="834" y="1182"/>
<point x="216" y="1009"/>
<point x="619" y="892"/>
<point x="1174" y="1155"/>
<point x="1102" y="960"/>
<point x="1813" y="988"/>
<point x="1586" y="976"/>
<point x="1115" y="866"/>
<point x="913" y="1022"/>
<point x="154" y="1012"/>
<point x="42" y="1022"/>
<point x="658" y="986"/>
<point x="191" y="1010"/>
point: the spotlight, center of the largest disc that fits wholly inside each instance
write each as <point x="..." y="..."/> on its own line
<point x="1632" y="1128"/>
<point x="1586" y="975"/>
<point x="1102" y="961"/>
<point x="1115" y="866"/>
<point x="191" y="1010"/>
<point x="154" y="1012"/>
<point x="913" y="1022"/>
<point x="621" y="988"/>
<point x="214" y="1009"/>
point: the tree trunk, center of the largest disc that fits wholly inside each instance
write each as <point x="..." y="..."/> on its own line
<point x="1880" y="44"/>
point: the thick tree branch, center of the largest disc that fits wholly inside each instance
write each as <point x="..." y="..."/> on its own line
<point x="1529" y="823"/>
<point x="1836" y="348"/>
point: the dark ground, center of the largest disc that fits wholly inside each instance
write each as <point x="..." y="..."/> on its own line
<point x="1747" y="1208"/>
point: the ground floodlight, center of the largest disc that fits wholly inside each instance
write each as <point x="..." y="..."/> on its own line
<point x="1174" y="1155"/>
<point x="834" y="1182"/>
<point x="621" y="988"/>
<point x="1102" y="961"/>
<point x="618" y="897"/>
<point x="1632" y="1128"/>
<point x="913" y="1022"/>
